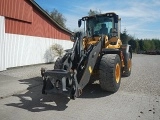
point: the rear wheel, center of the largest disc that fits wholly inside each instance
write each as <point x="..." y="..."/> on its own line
<point x="127" y="68"/>
<point x="110" y="72"/>
<point x="59" y="63"/>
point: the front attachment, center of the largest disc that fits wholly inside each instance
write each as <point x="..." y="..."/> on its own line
<point x="59" y="81"/>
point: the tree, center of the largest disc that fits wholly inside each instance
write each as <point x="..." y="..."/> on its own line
<point x="57" y="50"/>
<point x="125" y="37"/>
<point x="137" y="46"/>
<point x="140" y="42"/>
<point x="58" y="17"/>
<point x="93" y="12"/>
<point x="146" y="45"/>
<point x="152" y="45"/>
<point x="156" y="43"/>
<point x="133" y="44"/>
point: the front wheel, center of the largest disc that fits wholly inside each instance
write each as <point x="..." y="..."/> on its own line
<point x="110" y="72"/>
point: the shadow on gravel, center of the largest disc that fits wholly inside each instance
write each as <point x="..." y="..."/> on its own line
<point x="34" y="101"/>
<point x="93" y="90"/>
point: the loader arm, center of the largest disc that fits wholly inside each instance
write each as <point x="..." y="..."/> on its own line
<point x="92" y="59"/>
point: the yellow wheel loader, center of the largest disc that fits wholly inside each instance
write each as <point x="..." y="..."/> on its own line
<point x="98" y="48"/>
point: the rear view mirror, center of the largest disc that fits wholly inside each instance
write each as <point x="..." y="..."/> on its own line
<point x="79" y="23"/>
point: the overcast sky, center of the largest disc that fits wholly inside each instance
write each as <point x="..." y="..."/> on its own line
<point x="141" y="18"/>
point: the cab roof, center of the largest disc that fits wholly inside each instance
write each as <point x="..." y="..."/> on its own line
<point x="105" y="14"/>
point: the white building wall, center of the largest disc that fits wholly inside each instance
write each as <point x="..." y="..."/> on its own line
<point x="2" y="42"/>
<point x="21" y="50"/>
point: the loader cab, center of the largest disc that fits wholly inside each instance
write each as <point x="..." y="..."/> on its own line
<point x="106" y="24"/>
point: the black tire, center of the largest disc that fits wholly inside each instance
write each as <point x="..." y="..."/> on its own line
<point x="59" y="63"/>
<point x="128" y="66"/>
<point x="110" y="72"/>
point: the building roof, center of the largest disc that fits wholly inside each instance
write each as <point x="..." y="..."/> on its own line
<point x="49" y="17"/>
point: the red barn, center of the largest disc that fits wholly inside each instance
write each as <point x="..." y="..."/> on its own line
<point x="26" y="34"/>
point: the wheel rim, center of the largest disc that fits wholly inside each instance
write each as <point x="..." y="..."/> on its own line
<point x="117" y="73"/>
<point x="129" y="64"/>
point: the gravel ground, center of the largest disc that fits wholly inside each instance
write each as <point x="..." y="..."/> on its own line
<point x="145" y="77"/>
<point x="26" y="72"/>
<point x="137" y="99"/>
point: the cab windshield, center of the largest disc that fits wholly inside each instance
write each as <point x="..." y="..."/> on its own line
<point x="99" y="25"/>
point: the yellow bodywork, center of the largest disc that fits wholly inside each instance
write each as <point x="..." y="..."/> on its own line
<point x="112" y="43"/>
<point x="90" y="69"/>
<point x="90" y="41"/>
